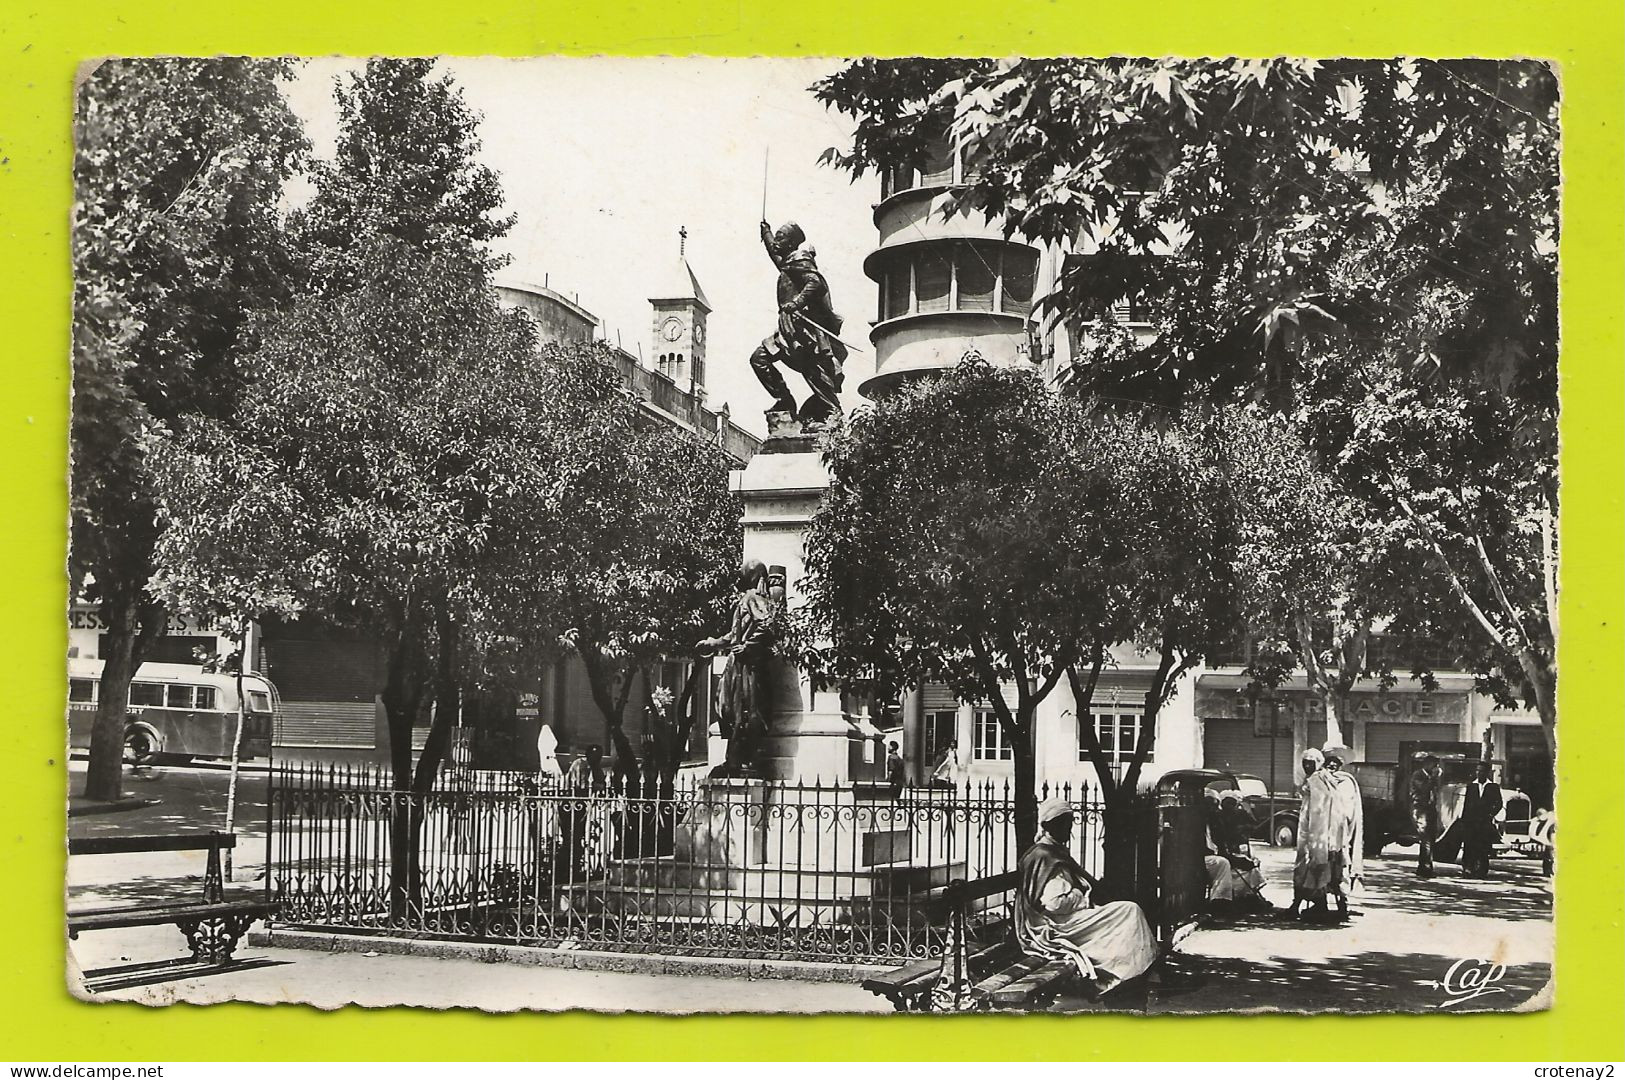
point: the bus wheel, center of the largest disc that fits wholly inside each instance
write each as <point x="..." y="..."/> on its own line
<point x="138" y="748"/>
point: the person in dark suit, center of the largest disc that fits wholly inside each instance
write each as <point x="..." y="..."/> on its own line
<point x="896" y="772"/>
<point x="1424" y="794"/>
<point x="1478" y="837"/>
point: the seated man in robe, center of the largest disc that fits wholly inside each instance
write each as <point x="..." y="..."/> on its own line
<point x="1055" y="917"/>
<point x="1233" y="874"/>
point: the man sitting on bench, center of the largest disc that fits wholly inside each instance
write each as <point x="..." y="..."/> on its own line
<point x="1109" y="944"/>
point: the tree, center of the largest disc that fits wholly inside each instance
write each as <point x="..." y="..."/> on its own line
<point x="392" y="469"/>
<point x="651" y="544"/>
<point x="1215" y="516"/>
<point x="943" y="552"/>
<point x="177" y="243"/>
<point x="1286" y="225"/>
<point x="406" y="165"/>
<point x="983" y="531"/>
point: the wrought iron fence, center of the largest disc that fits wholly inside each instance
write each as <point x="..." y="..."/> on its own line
<point x="725" y="868"/>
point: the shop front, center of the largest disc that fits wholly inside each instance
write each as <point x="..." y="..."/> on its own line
<point x="1265" y="734"/>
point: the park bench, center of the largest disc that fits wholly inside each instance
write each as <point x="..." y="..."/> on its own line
<point x="982" y="966"/>
<point x="212" y="923"/>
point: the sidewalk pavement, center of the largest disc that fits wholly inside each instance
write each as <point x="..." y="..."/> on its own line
<point x="1404" y="936"/>
<point x="330" y="980"/>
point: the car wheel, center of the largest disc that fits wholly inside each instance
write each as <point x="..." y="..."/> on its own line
<point x="1286" y="834"/>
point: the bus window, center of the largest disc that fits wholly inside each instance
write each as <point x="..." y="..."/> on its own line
<point x="146" y="694"/>
<point x="81" y="690"/>
<point x="204" y="697"/>
<point x="180" y="697"/>
<point x="259" y="701"/>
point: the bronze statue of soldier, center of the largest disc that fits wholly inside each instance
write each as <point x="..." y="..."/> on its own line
<point x="744" y="695"/>
<point x="805" y="341"/>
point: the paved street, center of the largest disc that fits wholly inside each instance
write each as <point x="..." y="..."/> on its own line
<point x="1404" y="937"/>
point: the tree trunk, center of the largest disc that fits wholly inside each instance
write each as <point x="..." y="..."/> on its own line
<point x="611" y="703"/>
<point x="1120" y="842"/>
<point x="1543" y="680"/>
<point x="131" y="626"/>
<point x="448" y="703"/>
<point x="1026" y="768"/>
<point x="403" y="700"/>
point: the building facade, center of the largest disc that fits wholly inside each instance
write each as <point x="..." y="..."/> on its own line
<point x="950" y="288"/>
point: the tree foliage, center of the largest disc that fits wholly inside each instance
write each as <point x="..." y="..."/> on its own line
<point x="983" y="531"/>
<point x="177" y="242"/>
<point x="406" y="166"/>
<point x="650" y="545"/>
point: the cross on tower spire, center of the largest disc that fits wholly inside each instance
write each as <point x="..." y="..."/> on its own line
<point x="682" y="241"/>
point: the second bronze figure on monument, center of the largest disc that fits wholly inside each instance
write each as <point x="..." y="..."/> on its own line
<point x="744" y="698"/>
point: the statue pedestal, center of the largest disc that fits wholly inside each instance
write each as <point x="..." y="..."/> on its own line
<point x="727" y="828"/>
<point x="808" y="735"/>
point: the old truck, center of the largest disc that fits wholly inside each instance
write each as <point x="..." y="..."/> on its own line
<point x="1385" y="789"/>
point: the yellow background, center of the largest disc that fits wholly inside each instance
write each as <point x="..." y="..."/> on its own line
<point x="40" y="48"/>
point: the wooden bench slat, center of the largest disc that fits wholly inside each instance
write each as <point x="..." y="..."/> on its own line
<point x="145" y="905"/>
<point x="126" y="845"/>
<point x="898" y="978"/>
<point x="1036" y="982"/>
<point x="1022" y="966"/>
<point x="925" y="970"/>
<point x="153" y="916"/>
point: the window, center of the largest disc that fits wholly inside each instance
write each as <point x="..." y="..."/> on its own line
<point x="146" y="693"/>
<point x="178" y="697"/>
<point x="1118" y="729"/>
<point x="203" y="697"/>
<point x="941" y="729"/>
<point x="976" y="278"/>
<point x="1131" y="311"/>
<point x="939" y="167"/>
<point x="959" y="277"/>
<point x="259" y="701"/>
<point x="894" y="180"/>
<point x="896" y="293"/>
<point x="1020" y="273"/>
<point x="933" y="277"/>
<point x="969" y="172"/>
<point x="81" y="690"/>
<point x="990" y="744"/>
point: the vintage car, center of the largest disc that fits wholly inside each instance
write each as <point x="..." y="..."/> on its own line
<point x="1276" y="818"/>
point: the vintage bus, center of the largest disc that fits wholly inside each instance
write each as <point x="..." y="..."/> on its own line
<point x="176" y="711"/>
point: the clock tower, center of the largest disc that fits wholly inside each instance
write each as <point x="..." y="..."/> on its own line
<point x="680" y="308"/>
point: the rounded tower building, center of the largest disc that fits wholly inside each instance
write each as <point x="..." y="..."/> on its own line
<point x="949" y="286"/>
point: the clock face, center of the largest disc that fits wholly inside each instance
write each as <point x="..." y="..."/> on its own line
<point x="672" y="329"/>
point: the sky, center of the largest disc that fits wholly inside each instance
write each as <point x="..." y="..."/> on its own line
<point x="602" y="160"/>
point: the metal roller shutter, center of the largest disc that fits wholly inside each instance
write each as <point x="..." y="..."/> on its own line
<point x="1230" y="744"/>
<point x="1382" y="740"/>
<point x="338" y="724"/>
